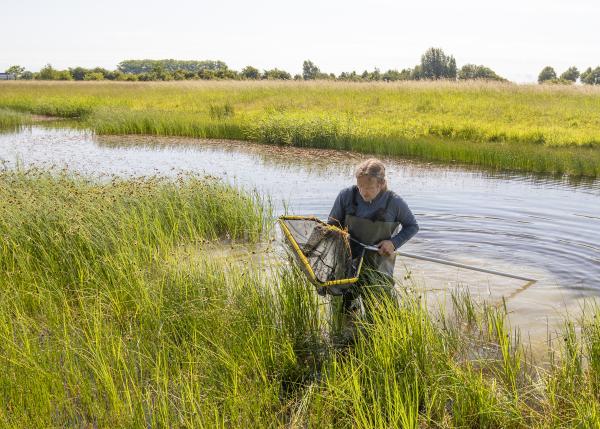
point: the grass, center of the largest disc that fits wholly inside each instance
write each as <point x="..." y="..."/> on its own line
<point x="9" y="119"/>
<point x="115" y="313"/>
<point x="501" y="126"/>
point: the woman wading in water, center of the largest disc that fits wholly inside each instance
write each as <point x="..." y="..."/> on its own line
<point x="376" y="216"/>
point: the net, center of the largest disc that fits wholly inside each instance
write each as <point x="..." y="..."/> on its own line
<point x="322" y="251"/>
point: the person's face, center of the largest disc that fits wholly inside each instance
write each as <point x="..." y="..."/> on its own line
<point x="368" y="187"/>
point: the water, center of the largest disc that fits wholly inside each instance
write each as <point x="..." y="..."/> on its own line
<point x="541" y="227"/>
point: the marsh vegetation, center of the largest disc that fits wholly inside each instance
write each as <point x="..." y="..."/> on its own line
<point x="495" y="125"/>
<point x="106" y="320"/>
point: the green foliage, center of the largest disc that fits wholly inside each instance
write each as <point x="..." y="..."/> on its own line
<point x="78" y="73"/>
<point x="309" y="70"/>
<point x="16" y="70"/>
<point x="591" y="77"/>
<point x="93" y="76"/>
<point x="472" y="71"/>
<point x="170" y="65"/>
<point x="395" y="75"/>
<point x="546" y="74"/>
<point x="47" y="73"/>
<point x="276" y="74"/>
<point x="571" y="74"/>
<point x="435" y="64"/>
<point x="250" y="72"/>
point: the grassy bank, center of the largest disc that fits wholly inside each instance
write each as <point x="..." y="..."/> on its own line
<point x="502" y="126"/>
<point x="105" y="321"/>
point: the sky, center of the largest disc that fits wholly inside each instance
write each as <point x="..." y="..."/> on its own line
<point x="516" y="38"/>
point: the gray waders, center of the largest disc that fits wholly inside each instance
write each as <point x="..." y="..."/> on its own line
<point x="376" y="277"/>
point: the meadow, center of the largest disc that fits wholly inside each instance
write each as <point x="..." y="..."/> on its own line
<point x="114" y="312"/>
<point x="531" y="128"/>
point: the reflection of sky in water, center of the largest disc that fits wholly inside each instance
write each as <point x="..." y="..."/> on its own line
<point x="534" y="225"/>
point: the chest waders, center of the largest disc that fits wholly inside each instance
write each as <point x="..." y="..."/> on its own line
<point x="371" y="231"/>
<point x="376" y="277"/>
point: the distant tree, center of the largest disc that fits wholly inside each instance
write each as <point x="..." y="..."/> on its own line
<point x="170" y="65"/>
<point x="297" y="76"/>
<point x="546" y="74"/>
<point x="63" y="75"/>
<point x="349" y="76"/>
<point x="250" y="72"/>
<point x="91" y="75"/>
<point x="591" y="77"/>
<point x="47" y="73"/>
<point x="78" y="73"/>
<point x="571" y="74"/>
<point x="27" y="75"/>
<point x="179" y="75"/>
<point x="309" y="70"/>
<point x="435" y="64"/>
<point x="276" y="74"/>
<point x="394" y="75"/>
<point x="472" y="71"/>
<point x="16" y="70"/>
<point x="417" y="73"/>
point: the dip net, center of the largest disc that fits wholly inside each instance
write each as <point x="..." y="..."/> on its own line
<point x="322" y="252"/>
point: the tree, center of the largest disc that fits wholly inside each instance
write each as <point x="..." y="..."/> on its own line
<point x="250" y="72"/>
<point x="591" y="77"/>
<point x="92" y="75"/>
<point x="472" y="71"/>
<point x="309" y="70"/>
<point x="276" y="74"/>
<point x="435" y="64"/>
<point x="571" y="74"/>
<point x="78" y="73"/>
<point x="16" y="70"/>
<point x="546" y="74"/>
<point x="47" y="73"/>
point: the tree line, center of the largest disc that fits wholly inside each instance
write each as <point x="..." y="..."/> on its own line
<point x="571" y="75"/>
<point x="435" y="64"/>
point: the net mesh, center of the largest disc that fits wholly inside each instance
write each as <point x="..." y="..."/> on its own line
<point x="325" y="248"/>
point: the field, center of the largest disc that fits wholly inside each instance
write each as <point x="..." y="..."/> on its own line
<point x="553" y="129"/>
<point x="115" y="312"/>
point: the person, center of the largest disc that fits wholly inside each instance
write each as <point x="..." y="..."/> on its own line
<point x="373" y="215"/>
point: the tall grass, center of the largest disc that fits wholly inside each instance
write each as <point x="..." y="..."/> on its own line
<point x="115" y="313"/>
<point x="501" y="126"/>
<point x="10" y="119"/>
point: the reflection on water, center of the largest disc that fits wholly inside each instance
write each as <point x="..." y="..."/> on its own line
<point x="537" y="226"/>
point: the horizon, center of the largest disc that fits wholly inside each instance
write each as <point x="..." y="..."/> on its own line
<point x="514" y="40"/>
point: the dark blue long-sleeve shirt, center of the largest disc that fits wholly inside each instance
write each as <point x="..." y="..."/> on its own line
<point x="397" y="211"/>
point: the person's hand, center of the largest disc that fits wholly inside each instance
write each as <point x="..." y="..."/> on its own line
<point x="386" y="248"/>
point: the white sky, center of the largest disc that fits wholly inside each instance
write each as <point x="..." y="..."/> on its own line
<point x="515" y="38"/>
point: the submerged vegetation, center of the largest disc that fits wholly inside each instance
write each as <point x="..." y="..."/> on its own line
<point x="501" y="126"/>
<point x="115" y="313"/>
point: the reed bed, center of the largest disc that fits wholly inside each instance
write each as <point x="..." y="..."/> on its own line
<point x="501" y="126"/>
<point x="115" y="313"/>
